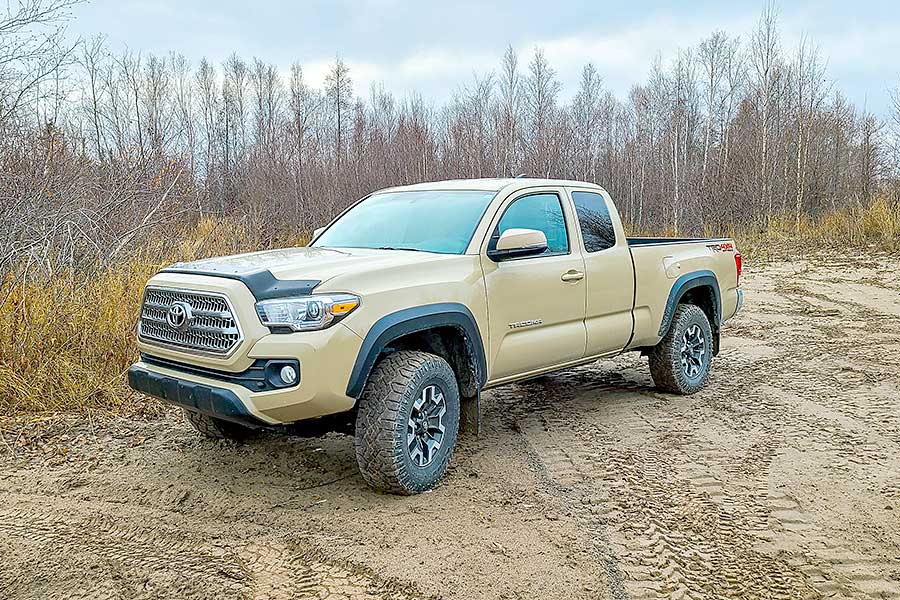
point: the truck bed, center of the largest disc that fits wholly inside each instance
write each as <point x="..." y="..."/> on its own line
<point x="658" y="265"/>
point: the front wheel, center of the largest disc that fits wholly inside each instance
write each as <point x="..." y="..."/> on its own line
<point x="680" y="362"/>
<point x="407" y="422"/>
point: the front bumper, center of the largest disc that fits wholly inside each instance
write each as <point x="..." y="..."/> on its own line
<point x="324" y="359"/>
<point x="209" y="400"/>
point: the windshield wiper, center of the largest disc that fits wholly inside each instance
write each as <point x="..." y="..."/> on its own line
<point x="398" y="248"/>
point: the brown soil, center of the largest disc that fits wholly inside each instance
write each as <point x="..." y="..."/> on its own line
<point x="780" y="480"/>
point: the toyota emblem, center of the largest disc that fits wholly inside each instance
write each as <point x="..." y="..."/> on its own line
<point x="179" y="316"/>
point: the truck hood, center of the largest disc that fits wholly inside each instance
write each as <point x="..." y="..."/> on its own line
<point x="319" y="264"/>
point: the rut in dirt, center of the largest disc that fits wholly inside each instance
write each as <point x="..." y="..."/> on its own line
<point x="781" y="479"/>
<point x="205" y="566"/>
<point x="678" y="490"/>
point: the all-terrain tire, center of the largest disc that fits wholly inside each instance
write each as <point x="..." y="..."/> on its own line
<point x="217" y="428"/>
<point x="669" y="372"/>
<point x="384" y="453"/>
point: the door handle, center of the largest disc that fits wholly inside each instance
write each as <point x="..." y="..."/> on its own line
<point x="572" y="275"/>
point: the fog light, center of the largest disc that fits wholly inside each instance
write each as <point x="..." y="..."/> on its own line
<point x="289" y="374"/>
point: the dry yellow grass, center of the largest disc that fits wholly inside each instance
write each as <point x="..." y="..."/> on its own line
<point x="66" y="342"/>
<point x="874" y="227"/>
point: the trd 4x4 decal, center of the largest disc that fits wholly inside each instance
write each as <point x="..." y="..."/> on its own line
<point x="723" y="247"/>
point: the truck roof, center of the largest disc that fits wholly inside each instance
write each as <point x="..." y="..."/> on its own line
<point x="509" y="184"/>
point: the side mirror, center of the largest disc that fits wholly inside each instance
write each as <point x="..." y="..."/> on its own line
<point x="317" y="231"/>
<point x="516" y="243"/>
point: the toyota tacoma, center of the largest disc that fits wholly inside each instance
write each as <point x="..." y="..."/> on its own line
<point x="413" y="301"/>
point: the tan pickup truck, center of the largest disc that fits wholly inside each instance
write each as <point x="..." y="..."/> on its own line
<point x="414" y="300"/>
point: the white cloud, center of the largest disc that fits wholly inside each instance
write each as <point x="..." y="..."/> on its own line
<point x="871" y="48"/>
<point x="421" y="71"/>
<point x="444" y="63"/>
<point x="622" y="55"/>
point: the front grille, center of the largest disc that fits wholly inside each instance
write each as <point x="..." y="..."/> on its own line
<point x="212" y="328"/>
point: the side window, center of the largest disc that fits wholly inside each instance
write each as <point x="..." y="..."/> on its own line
<point x="594" y="220"/>
<point x="537" y="211"/>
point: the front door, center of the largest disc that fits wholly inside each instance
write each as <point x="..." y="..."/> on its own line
<point x="535" y="304"/>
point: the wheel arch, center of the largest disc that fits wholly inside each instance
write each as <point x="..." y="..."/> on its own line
<point x="700" y="288"/>
<point x="447" y="329"/>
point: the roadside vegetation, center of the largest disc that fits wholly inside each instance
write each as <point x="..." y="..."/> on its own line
<point x="66" y="342"/>
<point x="871" y="228"/>
<point x="113" y="164"/>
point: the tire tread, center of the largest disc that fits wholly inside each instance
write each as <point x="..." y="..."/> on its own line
<point x="665" y="361"/>
<point x="215" y="428"/>
<point x="380" y="415"/>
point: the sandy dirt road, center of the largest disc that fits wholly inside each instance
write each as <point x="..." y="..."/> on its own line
<point x="780" y="480"/>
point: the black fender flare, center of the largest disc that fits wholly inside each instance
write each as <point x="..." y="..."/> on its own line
<point x="683" y="285"/>
<point x="411" y="320"/>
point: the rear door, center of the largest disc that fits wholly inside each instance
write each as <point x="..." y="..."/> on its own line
<point x="609" y="272"/>
<point x="536" y="303"/>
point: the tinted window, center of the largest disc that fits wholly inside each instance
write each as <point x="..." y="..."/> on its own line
<point x="542" y="212"/>
<point x="431" y="221"/>
<point x="593" y="217"/>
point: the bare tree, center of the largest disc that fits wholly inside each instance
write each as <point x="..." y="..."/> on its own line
<point x="302" y="105"/>
<point x="113" y="149"/>
<point x="586" y="125"/>
<point x="92" y="58"/>
<point x="339" y="91"/>
<point x="766" y="63"/>
<point x="156" y="99"/>
<point x="509" y="112"/>
<point x="208" y="93"/>
<point x="541" y="91"/>
<point x="713" y="55"/>
<point x="184" y="110"/>
<point x="895" y="125"/>
<point x="810" y="93"/>
<point x="235" y="110"/>
<point x="32" y="48"/>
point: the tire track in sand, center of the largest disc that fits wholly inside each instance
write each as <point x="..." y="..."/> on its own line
<point x="140" y="550"/>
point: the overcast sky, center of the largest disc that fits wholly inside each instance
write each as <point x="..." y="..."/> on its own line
<point x="436" y="47"/>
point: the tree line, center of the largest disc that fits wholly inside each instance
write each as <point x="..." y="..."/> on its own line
<point x="100" y="150"/>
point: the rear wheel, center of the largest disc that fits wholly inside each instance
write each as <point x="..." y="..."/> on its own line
<point x="407" y="422"/>
<point x="217" y="428"/>
<point x="680" y="362"/>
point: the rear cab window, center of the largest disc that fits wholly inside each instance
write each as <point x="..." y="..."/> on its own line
<point x="594" y="221"/>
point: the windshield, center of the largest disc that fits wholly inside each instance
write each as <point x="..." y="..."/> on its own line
<point x="430" y="221"/>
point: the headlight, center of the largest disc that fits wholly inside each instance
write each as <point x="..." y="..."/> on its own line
<point x="306" y="313"/>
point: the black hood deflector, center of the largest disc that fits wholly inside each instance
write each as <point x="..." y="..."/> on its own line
<point x="262" y="284"/>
